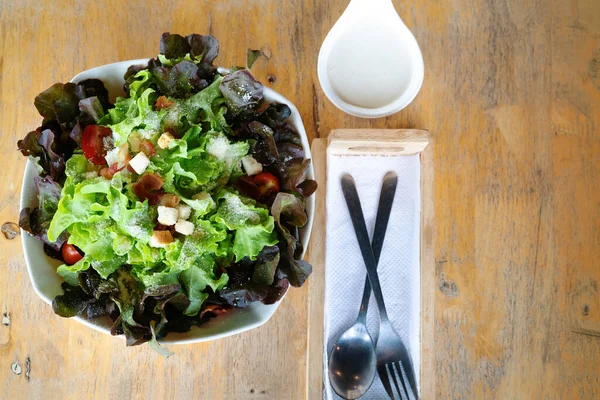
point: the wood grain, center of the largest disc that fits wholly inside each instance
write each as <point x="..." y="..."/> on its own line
<point x="392" y="142"/>
<point x="316" y="285"/>
<point x="512" y="99"/>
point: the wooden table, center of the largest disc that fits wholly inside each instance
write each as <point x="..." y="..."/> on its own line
<point x="512" y="99"/>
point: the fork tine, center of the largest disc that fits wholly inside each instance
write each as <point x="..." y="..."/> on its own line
<point x="407" y="383"/>
<point x="382" y="371"/>
<point x="399" y="387"/>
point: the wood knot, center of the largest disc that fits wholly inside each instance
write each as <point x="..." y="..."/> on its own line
<point x="5" y="317"/>
<point x="16" y="368"/>
<point x="585" y="310"/>
<point x="10" y="230"/>
<point x="448" y="287"/>
<point x="271" y="78"/>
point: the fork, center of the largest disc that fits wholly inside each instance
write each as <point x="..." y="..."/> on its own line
<point x="393" y="360"/>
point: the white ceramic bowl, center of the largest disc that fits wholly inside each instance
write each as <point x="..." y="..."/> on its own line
<point x="371" y="21"/>
<point x="42" y="269"/>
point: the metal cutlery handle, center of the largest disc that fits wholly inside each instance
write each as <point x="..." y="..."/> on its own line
<point x="358" y="220"/>
<point x="386" y="199"/>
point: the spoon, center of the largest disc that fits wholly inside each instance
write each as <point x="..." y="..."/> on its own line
<point x="352" y="361"/>
<point x="370" y="64"/>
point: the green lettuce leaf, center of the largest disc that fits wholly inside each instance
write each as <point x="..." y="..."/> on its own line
<point x="74" y="206"/>
<point x="135" y="112"/>
<point x="70" y="273"/>
<point x="202" y="204"/>
<point x="203" y="104"/>
<point x="250" y="240"/>
<point x="229" y="153"/>
<point x="253" y="226"/>
<point x="204" y="240"/>
<point x="197" y="278"/>
<point x="109" y="228"/>
<point x="76" y="167"/>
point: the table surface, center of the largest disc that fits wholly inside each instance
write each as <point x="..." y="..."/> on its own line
<point x="512" y="100"/>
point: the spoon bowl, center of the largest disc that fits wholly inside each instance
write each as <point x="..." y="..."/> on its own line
<point x="370" y="64"/>
<point x="353" y="362"/>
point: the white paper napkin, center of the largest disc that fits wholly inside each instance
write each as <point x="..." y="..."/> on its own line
<point x="399" y="265"/>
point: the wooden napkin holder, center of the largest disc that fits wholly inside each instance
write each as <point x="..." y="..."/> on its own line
<point x="355" y="142"/>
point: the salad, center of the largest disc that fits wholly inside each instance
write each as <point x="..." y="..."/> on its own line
<point x="177" y="203"/>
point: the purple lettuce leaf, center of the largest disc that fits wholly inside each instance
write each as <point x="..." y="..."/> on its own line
<point x="174" y="46"/>
<point x="289" y="214"/>
<point x="40" y="144"/>
<point x="59" y="102"/>
<point x="67" y="108"/>
<point x="95" y="88"/>
<point x="179" y="322"/>
<point x="92" y="109"/>
<point x="184" y="76"/>
<point x="264" y="149"/>
<point x="179" y="80"/>
<point x="129" y="76"/>
<point x="292" y="172"/>
<point x="277" y="289"/>
<point x="307" y="188"/>
<point x="274" y="115"/>
<point x="36" y="221"/>
<point x="242" y="92"/>
<point x="76" y="133"/>
<point x="73" y="302"/>
<point x="248" y="280"/>
<point x="266" y="265"/>
<point x="288" y="151"/>
<point x="206" y="47"/>
<point x="134" y="309"/>
<point x="241" y="295"/>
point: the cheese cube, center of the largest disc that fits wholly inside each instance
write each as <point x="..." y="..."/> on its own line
<point x="251" y="166"/>
<point x="184" y="211"/>
<point x="184" y="227"/>
<point x="139" y="163"/>
<point x="160" y="239"/>
<point x="164" y="140"/>
<point x="167" y="215"/>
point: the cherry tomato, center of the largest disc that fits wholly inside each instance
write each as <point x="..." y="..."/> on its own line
<point x="92" y="143"/>
<point x="262" y="187"/>
<point x="70" y="254"/>
<point x="247" y="187"/>
<point x="268" y="184"/>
